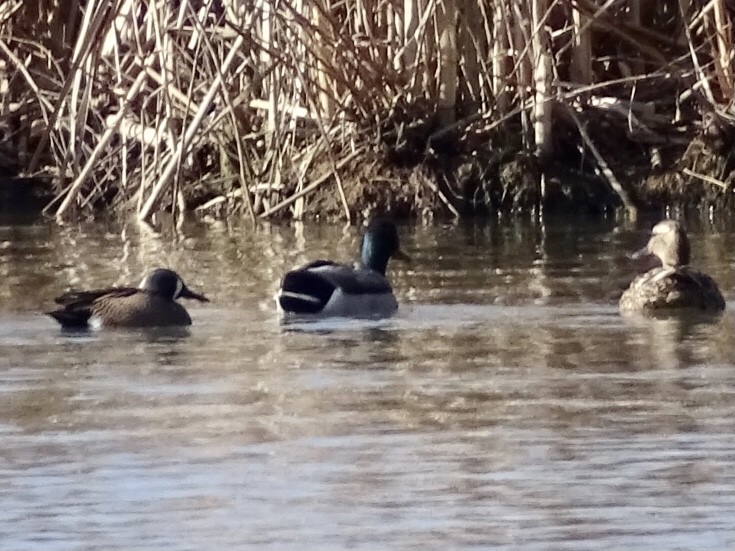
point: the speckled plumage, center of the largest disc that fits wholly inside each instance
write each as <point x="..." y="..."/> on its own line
<point x="674" y="284"/>
<point x="153" y="304"/>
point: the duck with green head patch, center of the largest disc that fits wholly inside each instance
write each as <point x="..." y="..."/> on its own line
<point x="330" y="289"/>
<point x="152" y="304"/>
<point x="674" y="285"/>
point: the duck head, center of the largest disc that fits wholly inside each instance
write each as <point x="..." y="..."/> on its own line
<point x="168" y="284"/>
<point x="379" y="244"/>
<point x="669" y="243"/>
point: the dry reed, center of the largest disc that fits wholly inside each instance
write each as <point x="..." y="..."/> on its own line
<point x="254" y="105"/>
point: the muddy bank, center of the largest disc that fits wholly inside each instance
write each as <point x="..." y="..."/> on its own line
<point x="456" y="183"/>
<point x="480" y="174"/>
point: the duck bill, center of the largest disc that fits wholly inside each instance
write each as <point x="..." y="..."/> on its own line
<point x="188" y="293"/>
<point x="640" y="253"/>
<point x="400" y="255"/>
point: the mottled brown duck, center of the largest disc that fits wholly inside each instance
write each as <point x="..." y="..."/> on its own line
<point x="674" y="285"/>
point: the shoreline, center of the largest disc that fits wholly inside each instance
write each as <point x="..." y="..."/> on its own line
<point x="442" y="188"/>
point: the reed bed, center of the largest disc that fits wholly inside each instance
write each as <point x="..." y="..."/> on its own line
<point x="289" y="109"/>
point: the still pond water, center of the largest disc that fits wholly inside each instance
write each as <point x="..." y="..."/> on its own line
<point x="506" y="405"/>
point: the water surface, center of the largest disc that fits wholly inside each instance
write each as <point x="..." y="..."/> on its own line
<point x="506" y="405"/>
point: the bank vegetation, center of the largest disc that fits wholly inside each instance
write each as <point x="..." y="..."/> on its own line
<point x="336" y="108"/>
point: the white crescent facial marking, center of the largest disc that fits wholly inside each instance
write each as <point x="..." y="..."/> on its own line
<point x="143" y="283"/>
<point x="179" y="287"/>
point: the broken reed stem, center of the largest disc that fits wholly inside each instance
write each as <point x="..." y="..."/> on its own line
<point x="23" y="70"/>
<point x="323" y="133"/>
<point x="705" y="178"/>
<point x="340" y="74"/>
<point x="311" y="187"/>
<point x="99" y="150"/>
<point x="168" y="172"/>
<point x="604" y="167"/>
<point x="241" y="161"/>
<point x="102" y="18"/>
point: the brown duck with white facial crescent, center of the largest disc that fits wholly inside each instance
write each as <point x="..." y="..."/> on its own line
<point x="152" y="304"/>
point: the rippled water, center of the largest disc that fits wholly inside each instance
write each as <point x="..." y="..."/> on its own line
<point x="506" y="406"/>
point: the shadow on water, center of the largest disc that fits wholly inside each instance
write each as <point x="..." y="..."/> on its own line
<point x="507" y="405"/>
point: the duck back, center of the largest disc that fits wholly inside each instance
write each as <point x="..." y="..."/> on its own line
<point x="672" y="288"/>
<point x="330" y="288"/>
<point x="119" y="307"/>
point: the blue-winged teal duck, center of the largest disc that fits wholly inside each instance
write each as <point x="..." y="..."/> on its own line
<point x="331" y="289"/>
<point x="673" y="285"/>
<point x="152" y="304"/>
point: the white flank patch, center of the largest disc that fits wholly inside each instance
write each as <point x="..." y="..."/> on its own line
<point x="279" y="294"/>
<point x="95" y="322"/>
<point x="299" y="296"/>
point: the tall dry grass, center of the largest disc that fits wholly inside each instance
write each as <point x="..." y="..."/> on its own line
<point x="252" y="105"/>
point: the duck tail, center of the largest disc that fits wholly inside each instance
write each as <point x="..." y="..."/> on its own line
<point x="72" y="318"/>
<point x="304" y="292"/>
